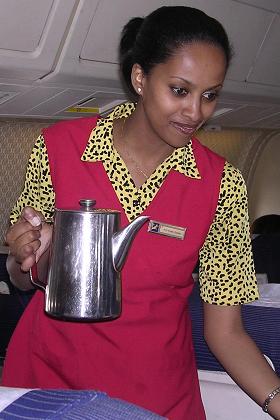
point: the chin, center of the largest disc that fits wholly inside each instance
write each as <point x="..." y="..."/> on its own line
<point x="183" y="142"/>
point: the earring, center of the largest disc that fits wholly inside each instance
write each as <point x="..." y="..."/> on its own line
<point x="139" y="90"/>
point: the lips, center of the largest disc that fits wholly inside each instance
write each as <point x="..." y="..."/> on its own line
<point x="184" y="128"/>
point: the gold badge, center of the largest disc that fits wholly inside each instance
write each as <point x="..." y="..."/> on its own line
<point x="165" y="229"/>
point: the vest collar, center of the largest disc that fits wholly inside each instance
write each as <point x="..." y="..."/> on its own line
<point x="100" y="146"/>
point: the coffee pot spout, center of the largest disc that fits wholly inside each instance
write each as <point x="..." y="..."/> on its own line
<point x="122" y="241"/>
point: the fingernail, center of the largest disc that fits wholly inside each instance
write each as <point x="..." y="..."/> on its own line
<point x="35" y="221"/>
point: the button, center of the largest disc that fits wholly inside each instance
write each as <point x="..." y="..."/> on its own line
<point x="136" y="202"/>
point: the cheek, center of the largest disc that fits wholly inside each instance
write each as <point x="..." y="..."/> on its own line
<point x="208" y="110"/>
<point x="160" y="96"/>
<point x="160" y="107"/>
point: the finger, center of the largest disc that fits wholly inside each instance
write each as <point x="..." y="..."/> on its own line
<point x="32" y="216"/>
<point x="21" y="250"/>
<point x="28" y="263"/>
<point x="29" y="249"/>
<point x="31" y="257"/>
<point x="21" y="232"/>
<point x="22" y="238"/>
<point x="22" y="253"/>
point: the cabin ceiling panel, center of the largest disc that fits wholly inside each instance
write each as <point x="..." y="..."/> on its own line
<point x="267" y="66"/>
<point x="10" y="91"/>
<point x="272" y="5"/>
<point x="246" y="27"/>
<point x="271" y="122"/>
<point x="57" y="102"/>
<point x="250" y="115"/>
<point x="101" y="99"/>
<point x="258" y="92"/>
<point x="253" y="110"/>
<point x="26" y="100"/>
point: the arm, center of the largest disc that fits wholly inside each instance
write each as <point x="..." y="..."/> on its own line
<point x="227" y="280"/>
<point x="236" y="351"/>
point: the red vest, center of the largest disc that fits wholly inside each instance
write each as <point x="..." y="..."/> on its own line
<point x="146" y="356"/>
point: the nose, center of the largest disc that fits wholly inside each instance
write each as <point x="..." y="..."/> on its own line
<point x="192" y="109"/>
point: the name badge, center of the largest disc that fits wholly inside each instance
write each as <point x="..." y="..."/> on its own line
<point x="172" y="231"/>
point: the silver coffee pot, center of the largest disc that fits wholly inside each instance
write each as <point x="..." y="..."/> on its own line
<point x="87" y="253"/>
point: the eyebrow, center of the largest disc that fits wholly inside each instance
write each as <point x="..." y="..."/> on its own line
<point x="190" y="83"/>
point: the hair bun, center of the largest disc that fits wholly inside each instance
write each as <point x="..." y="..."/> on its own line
<point x="129" y="34"/>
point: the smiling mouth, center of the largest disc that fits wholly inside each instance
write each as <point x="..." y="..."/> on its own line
<point x="184" y="129"/>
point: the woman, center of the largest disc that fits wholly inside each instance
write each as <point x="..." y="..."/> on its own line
<point x="144" y="159"/>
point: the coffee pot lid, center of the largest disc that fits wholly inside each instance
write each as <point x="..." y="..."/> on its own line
<point x="88" y="205"/>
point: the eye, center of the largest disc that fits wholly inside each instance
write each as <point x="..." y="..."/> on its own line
<point x="210" y="96"/>
<point x="178" y="91"/>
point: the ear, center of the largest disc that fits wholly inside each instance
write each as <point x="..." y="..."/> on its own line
<point x="137" y="79"/>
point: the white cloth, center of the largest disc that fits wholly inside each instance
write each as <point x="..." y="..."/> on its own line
<point x="9" y="395"/>
<point x="4" y="288"/>
<point x="269" y="295"/>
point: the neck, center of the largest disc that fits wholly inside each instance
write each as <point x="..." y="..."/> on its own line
<point x="143" y="141"/>
<point x="140" y="154"/>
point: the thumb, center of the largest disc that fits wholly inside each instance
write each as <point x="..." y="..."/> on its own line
<point x="32" y="216"/>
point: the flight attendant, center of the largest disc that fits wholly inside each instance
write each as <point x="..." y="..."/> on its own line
<point x="144" y="158"/>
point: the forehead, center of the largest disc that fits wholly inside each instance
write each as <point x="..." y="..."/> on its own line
<point x="198" y="62"/>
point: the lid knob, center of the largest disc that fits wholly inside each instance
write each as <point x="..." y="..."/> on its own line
<point x="87" y="203"/>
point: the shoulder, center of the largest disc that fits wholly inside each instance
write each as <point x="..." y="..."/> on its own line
<point x="71" y="132"/>
<point x="230" y="172"/>
<point x="209" y="164"/>
<point x="199" y="148"/>
<point x="205" y="157"/>
<point x="233" y="179"/>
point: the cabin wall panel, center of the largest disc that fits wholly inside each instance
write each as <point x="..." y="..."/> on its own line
<point x="264" y="186"/>
<point x="247" y="150"/>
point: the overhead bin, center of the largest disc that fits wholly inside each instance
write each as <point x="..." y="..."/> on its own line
<point x="31" y="34"/>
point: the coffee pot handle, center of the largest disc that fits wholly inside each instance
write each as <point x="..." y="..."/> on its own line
<point x="33" y="272"/>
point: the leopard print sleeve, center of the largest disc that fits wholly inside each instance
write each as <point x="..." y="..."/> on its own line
<point x="38" y="191"/>
<point x="226" y="274"/>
